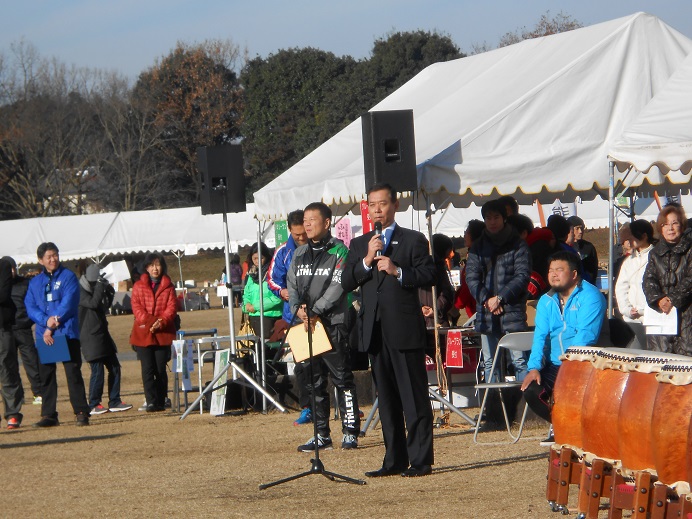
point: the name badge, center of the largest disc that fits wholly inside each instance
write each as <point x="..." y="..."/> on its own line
<point x="49" y="296"/>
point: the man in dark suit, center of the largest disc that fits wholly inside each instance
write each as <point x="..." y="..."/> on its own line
<point x="389" y="269"/>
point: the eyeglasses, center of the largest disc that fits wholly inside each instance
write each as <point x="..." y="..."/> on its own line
<point x="671" y="225"/>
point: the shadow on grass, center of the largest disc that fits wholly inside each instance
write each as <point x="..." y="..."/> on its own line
<point x="491" y="463"/>
<point x="58" y="441"/>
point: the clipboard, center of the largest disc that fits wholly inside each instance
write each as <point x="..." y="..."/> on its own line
<point x="58" y="352"/>
<point x="297" y="339"/>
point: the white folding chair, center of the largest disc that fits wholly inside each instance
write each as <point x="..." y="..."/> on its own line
<point x="517" y="341"/>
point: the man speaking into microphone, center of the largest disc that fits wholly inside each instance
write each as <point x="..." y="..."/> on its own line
<point x="390" y="266"/>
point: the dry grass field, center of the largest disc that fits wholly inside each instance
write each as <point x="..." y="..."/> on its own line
<point x="136" y="464"/>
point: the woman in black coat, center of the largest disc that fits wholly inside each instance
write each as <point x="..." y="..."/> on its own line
<point x="98" y="347"/>
<point x="667" y="280"/>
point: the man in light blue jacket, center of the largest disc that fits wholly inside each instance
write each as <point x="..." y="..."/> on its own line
<point x="570" y="314"/>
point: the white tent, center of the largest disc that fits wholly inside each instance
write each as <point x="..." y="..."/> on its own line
<point x="533" y="118"/>
<point x="660" y="139"/>
<point x="98" y="235"/>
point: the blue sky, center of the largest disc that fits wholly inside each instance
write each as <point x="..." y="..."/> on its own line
<point x="128" y="35"/>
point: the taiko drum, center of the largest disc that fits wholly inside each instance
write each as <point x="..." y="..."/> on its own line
<point x="637" y="407"/>
<point x="568" y="394"/>
<point x="670" y="423"/>
<point x="602" y="402"/>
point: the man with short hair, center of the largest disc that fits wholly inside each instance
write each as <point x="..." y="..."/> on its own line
<point x="276" y="279"/>
<point x="10" y="382"/>
<point x="389" y="268"/>
<point x="585" y="249"/>
<point x="315" y="293"/>
<point x="572" y="313"/>
<point x="52" y="302"/>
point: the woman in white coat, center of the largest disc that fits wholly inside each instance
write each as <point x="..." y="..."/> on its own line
<point x="628" y="289"/>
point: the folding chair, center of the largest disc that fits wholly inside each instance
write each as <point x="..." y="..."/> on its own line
<point x="518" y="341"/>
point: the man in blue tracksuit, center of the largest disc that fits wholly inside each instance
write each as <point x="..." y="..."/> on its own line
<point x="52" y="302"/>
<point x="570" y="314"/>
<point x="276" y="279"/>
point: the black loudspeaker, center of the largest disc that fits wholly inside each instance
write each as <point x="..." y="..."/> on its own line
<point x="222" y="179"/>
<point x="389" y="149"/>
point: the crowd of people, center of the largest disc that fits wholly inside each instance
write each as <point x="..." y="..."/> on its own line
<point x="375" y="297"/>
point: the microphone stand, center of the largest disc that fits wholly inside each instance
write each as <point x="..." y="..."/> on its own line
<point x="317" y="467"/>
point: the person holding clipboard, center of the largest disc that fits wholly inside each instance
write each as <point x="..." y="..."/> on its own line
<point x="52" y="302"/>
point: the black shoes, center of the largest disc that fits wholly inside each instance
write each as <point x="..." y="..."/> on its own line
<point x="416" y="472"/>
<point x="47" y="421"/>
<point x="383" y="472"/>
<point x="82" y="419"/>
<point x="152" y="408"/>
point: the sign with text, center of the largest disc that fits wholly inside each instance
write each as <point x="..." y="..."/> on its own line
<point x="368" y="224"/>
<point x="280" y="232"/>
<point x="455" y="359"/>
<point x="343" y="231"/>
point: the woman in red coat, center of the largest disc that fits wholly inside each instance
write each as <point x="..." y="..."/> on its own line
<point x="154" y="306"/>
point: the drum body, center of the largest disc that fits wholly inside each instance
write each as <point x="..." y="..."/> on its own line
<point x="602" y="400"/>
<point x="636" y="409"/>
<point x="670" y="423"/>
<point x="568" y="394"/>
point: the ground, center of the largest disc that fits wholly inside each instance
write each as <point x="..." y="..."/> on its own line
<point x="155" y="465"/>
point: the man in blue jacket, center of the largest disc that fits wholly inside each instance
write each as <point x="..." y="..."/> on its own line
<point x="52" y="302"/>
<point x="276" y="279"/>
<point x="570" y="314"/>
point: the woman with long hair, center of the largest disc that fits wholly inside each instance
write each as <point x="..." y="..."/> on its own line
<point x="272" y="304"/>
<point x="629" y="293"/>
<point x="668" y="280"/>
<point x="154" y="305"/>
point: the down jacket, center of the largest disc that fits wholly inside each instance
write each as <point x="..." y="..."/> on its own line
<point x="148" y="306"/>
<point x="502" y="270"/>
<point x="669" y="273"/>
<point x="95" y="339"/>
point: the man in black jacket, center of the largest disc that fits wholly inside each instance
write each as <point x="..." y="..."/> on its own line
<point x="389" y="271"/>
<point x="22" y="333"/>
<point x="12" y="390"/>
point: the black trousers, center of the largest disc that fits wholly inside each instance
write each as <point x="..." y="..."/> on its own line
<point x="153" y="360"/>
<point x="75" y="383"/>
<point x="539" y="397"/>
<point x="405" y="411"/>
<point x="10" y="382"/>
<point x="25" y="344"/>
<point x="337" y="363"/>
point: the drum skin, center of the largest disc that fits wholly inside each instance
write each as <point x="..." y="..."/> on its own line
<point x="670" y="432"/>
<point x="634" y="421"/>
<point x="568" y="396"/>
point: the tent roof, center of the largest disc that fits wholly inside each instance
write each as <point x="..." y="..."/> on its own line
<point x="661" y="136"/>
<point x="531" y="118"/>
<point x="96" y="235"/>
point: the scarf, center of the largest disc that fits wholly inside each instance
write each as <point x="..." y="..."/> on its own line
<point x="500" y="238"/>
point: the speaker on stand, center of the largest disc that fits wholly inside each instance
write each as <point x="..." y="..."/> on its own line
<point x="389" y="149"/>
<point x="222" y="166"/>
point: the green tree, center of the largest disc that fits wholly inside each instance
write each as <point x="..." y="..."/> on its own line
<point x="284" y="108"/>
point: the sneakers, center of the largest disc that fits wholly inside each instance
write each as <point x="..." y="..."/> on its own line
<point x="47" y="421"/>
<point x="37" y="400"/>
<point x="98" y="409"/>
<point x="144" y="407"/>
<point x="122" y="406"/>
<point x="350" y="441"/>
<point x="323" y="443"/>
<point x="167" y="403"/>
<point x="305" y="417"/>
<point x="82" y="419"/>
<point x="550" y="440"/>
<point x="13" y="423"/>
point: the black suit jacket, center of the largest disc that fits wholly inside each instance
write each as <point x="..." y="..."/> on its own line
<point x="399" y="307"/>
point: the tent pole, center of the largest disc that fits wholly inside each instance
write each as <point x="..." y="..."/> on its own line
<point x="611" y="223"/>
<point x="261" y="303"/>
<point x="179" y="255"/>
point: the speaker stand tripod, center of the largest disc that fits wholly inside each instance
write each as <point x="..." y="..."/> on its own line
<point x="233" y="357"/>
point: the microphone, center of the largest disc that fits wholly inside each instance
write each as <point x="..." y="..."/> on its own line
<point x="378" y="232"/>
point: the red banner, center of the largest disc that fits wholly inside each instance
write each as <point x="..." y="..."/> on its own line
<point x="455" y="358"/>
<point x="368" y="224"/>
